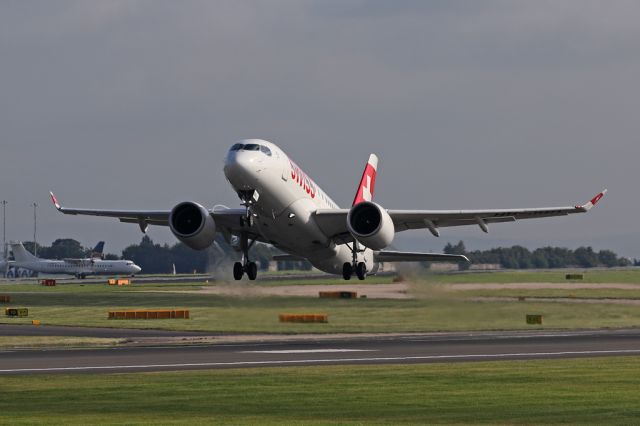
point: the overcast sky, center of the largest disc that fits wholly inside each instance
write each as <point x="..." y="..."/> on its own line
<point x="133" y="104"/>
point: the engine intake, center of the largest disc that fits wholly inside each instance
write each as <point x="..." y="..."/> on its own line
<point x="192" y="224"/>
<point x="371" y="225"/>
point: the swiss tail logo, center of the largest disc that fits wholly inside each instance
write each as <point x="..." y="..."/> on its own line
<point x="368" y="181"/>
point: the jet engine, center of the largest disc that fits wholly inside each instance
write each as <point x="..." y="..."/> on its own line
<point x="192" y="224"/>
<point x="371" y="225"/>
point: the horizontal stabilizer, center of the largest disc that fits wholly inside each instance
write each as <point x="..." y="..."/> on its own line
<point x="407" y="256"/>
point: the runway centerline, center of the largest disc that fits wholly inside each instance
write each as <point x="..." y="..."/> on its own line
<point x="307" y="351"/>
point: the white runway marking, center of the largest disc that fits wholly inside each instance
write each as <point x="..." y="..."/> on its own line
<point x="307" y="351"/>
<point x="322" y="361"/>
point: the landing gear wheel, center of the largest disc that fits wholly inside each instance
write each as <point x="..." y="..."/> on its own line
<point x="238" y="271"/>
<point x="361" y="271"/>
<point x="246" y="221"/>
<point x="347" y="271"/>
<point x="252" y="270"/>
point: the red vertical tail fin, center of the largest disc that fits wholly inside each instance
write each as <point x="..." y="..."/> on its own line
<point x="368" y="181"/>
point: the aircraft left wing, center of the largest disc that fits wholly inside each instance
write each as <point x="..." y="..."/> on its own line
<point x="333" y="223"/>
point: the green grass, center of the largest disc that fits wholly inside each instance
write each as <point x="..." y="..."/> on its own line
<point x="260" y="314"/>
<point x="631" y="276"/>
<point x="55" y="341"/>
<point x="596" y="293"/>
<point x="182" y="286"/>
<point x="577" y="391"/>
<point x="434" y="309"/>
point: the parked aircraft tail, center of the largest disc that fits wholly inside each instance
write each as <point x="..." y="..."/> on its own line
<point x="368" y="181"/>
<point x="21" y="254"/>
<point x="98" y="251"/>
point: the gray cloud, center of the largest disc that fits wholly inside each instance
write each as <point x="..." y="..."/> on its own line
<point x="469" y="104"/>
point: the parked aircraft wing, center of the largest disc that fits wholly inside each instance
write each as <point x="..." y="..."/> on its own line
<point x="407" y="256"/>
<point x="333" y="223"/>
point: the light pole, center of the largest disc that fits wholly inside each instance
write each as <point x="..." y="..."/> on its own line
<point x="4" y="228"/>
<point x="35" y="245"/>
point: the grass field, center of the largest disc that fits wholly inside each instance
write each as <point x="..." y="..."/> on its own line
<point x="435" y="311"/>
<point x="584" y="293"/>
<point x="630" y="276"/>
<point x="78" y="286"/>
<point x="55" y="341"/>
<point x="577" y="391"/>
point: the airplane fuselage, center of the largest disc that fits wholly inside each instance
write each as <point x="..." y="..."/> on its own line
<point x="286" y="200"/>
<point x="81" y="267"/>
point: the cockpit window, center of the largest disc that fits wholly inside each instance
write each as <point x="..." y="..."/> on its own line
<point x="265" y="150"/>
<point x="250" y="147"/>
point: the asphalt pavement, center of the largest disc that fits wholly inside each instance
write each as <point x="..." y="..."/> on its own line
<point x="408" y="349"/>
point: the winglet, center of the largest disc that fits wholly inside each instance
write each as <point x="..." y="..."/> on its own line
<point x="593" y="202"/>
<point x="55" y="202"/>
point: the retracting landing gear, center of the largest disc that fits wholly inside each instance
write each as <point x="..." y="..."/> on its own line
<point x="360" y="268"/>
<point x="249" y="198"/>
<point x="246" y="266"/>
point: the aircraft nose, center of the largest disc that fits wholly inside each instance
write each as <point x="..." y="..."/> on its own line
<point x="136" y="269"/>
<point x="241" y="165"/>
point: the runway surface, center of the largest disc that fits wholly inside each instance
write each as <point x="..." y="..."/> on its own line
<point x="450" y="347"/>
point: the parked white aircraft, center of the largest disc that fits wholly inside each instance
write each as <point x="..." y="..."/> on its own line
<point x="283" y="206"/>
<point x="78" y="267"/>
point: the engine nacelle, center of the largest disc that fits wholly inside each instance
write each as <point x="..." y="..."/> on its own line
<point x="371" y="225"/>
<point x="193" y="225"/>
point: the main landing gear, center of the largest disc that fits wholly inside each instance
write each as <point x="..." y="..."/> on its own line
<point x="360" y="268"/>
<point x="246" y="266"/>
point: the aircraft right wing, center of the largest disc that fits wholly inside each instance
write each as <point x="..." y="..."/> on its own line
<point x="228" y="221"/>
<point x="141" y="217"/>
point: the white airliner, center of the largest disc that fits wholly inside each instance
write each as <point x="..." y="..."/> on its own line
<point x="78" y="267"/>
<point x="283" y="206"/>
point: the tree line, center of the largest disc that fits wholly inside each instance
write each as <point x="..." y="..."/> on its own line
<point x="160" y="259"/>
<point x="156" y="258"/>
<point x="518" y="257"/>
